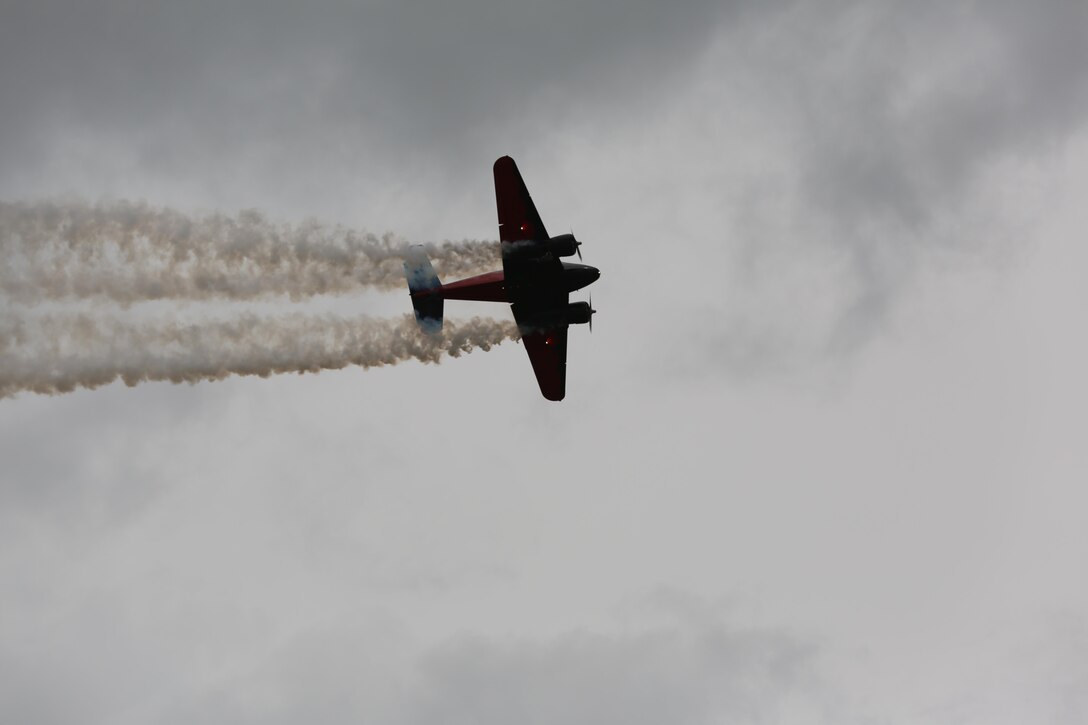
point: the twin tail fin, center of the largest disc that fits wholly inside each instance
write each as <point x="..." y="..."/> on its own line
<point x="424" y="286"/>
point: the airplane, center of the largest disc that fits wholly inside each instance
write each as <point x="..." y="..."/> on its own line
<point x="533" y="281"/>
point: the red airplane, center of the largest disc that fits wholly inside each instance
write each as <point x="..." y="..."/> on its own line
<point x="533" y="281"/>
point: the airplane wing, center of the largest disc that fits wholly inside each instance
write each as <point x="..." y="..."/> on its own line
<point x="518" y="218"/>
<point x="520" y="227"/>
<point x="548" y="353"/>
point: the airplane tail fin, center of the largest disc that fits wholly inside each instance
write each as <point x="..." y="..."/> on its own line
<point x="423" y="285"/>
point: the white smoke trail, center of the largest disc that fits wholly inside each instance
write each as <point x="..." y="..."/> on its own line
<point x="130" y="252"/>
<point x="57" y="354"/>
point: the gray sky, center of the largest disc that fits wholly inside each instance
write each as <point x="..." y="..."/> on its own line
<point x="822" y="459"/>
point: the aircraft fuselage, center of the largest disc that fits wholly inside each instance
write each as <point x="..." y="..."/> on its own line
<point x="492" y="286"/>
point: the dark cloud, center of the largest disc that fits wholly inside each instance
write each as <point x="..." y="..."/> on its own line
<point x="326" y="89"/>
<point x="902" y="107"/>
<point x="882" y="128"/>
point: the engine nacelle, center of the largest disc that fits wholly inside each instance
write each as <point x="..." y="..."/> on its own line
<point x="565" y="245"/>
<point x="575" y="313"/>
<point x="578" y="313"/>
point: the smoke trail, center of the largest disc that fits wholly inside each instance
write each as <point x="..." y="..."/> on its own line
<point x="57" y="354"/>
<point x="129" y="252"/>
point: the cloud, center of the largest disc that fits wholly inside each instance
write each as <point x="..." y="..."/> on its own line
<point x="256" y="550"/>
<point x="860" y="145"/>
<point x="333" y="90"/>
<point x="902" y="106"/>
<point x="708" y="674"/>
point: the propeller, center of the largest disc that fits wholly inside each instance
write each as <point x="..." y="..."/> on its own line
<point x="577" y="245"/>
<point x="591" y="313"/>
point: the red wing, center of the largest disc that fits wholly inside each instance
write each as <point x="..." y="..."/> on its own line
<point x="518" y="218"/>
<point x="548" y="353"/>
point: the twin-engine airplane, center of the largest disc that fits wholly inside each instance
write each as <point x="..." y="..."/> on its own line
<point x="532" y="280"/>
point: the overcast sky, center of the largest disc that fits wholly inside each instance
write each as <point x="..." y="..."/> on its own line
<point x="823" y="459"/>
